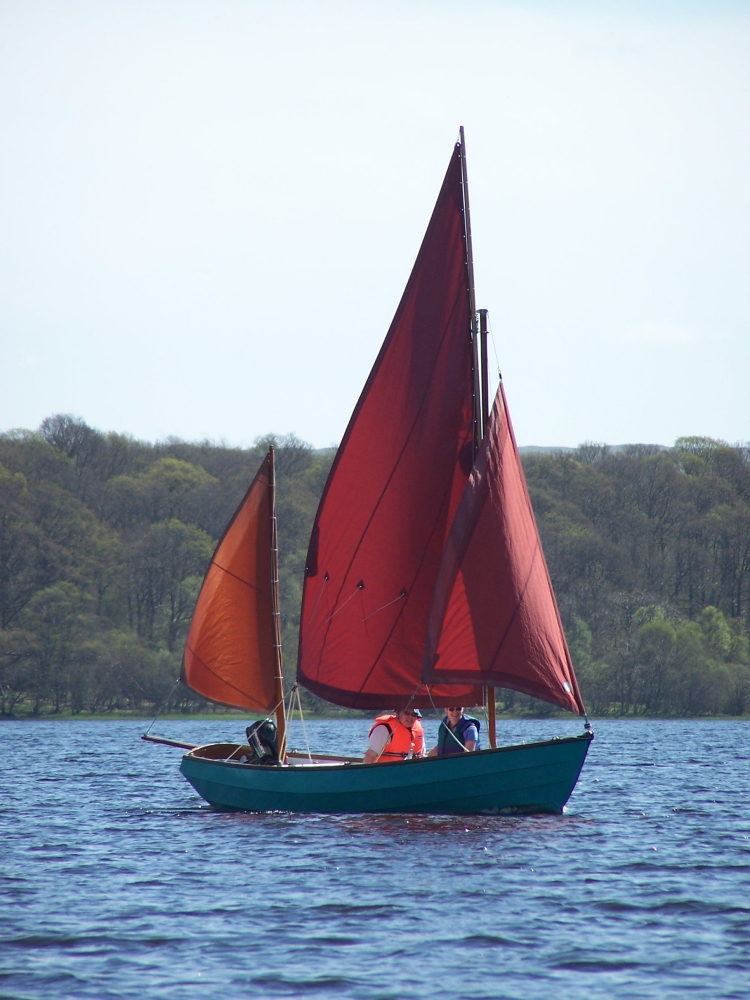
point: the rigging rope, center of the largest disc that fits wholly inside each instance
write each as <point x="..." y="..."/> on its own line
<point x="320" y="595"/>
<point x="164" y="705"/>
<point x="427" y="688"/>
<point x="400" y="597"/>
<point x="341" y="606"/>
<point x="302" y="720"/>
<point x="494" y="348"/>
<point x="268" y="718"/>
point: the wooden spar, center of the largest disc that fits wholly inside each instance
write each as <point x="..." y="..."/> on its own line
<point x="479" y="374"/>
<point x="491" y="721"/>
<point x="467" y="236"/>
<point x="484" y="369"/>
<point x="491" y="717"/>
<point x="169" y="743"/>
<point x="472" y="294"/>
<point x="276" y="613"/>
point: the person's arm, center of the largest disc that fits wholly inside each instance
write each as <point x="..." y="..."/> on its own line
<point x="471" y="738"/>
<point x="433" y="752"/>
<point x="376" y="744"/>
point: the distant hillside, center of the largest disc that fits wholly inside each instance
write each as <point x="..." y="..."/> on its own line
<point x="649" y="553"/>
<point x="104" y="541"/>
<point x="615" y="449"/>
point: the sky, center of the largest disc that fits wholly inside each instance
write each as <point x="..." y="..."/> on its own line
<point x="209" y="211"/>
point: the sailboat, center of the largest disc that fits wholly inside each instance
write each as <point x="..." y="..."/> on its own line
<point x="425" y="581"/>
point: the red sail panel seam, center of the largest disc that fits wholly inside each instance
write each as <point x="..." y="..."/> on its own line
<point x="246" y="583"/>
<point x="225" y="682"/>
<point x="342" y="606"/>
<point x="398" y="617"/>
<point x="376" y="661"/>
<point x="381" y="353"/>
<point x="517" y="608"/>
<point x="320" y="598"/>
<point x="402" y="596"/>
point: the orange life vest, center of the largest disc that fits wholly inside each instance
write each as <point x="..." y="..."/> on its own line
<point x="402" y="738"/>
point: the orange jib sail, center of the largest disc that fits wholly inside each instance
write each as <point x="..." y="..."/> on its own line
<point x="231" y="653"/>
<point x="394" y="488"/>
<point x="494" y="618"/>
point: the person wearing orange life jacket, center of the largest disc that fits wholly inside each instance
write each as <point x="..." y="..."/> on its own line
<point x="394" y="736"/>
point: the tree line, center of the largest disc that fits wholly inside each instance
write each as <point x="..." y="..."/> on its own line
<point x="104" y="541"/>
<point x="649" y="554"/>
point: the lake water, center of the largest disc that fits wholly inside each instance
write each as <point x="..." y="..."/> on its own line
<point x="117" y="882"/>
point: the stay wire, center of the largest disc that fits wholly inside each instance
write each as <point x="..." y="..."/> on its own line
<point x="163" y="707"/>
<point x="494" y="348"/>
<point x="320" y="595"/>
<point x="268" y="718"/>
<point x="302" y="720"/>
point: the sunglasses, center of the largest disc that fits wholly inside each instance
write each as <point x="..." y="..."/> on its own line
<point x="455" y="709"/>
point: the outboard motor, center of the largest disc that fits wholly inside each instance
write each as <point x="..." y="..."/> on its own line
<point x="262" y="740"/>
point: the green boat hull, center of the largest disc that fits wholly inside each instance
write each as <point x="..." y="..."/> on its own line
<point x="528" y="778"/>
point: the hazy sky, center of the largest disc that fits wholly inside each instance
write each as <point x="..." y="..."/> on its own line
<point x="209" y="210"/>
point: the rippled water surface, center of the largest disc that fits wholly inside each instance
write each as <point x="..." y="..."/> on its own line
<point x="116" y="881"/>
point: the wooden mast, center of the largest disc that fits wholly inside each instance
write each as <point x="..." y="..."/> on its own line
<point x="484" y="369"/>
<point x="479" y="370"/>
<point x="276" y="613"/>
<point x="491" y="722"/>
<point x="472" y="296"/>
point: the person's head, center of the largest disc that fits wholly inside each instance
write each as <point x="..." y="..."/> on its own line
<point x="409" y="716"/>
<point x="454" y="714"/>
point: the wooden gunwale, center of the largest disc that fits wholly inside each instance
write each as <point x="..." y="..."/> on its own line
<point x="357" y="761"/>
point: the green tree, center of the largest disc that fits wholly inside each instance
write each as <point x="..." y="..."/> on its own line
<point x="20" y="543"/>
<point x="163" y="564"/>
<point x="55" y="622"/>
<point x="656" y="640"/>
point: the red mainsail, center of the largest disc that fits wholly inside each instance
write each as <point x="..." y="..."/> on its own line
<point x="232" y="649"/>
<point x="394" y="488"/>
<point x="494" y="618"/>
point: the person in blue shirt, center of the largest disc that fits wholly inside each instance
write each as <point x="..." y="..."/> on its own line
<point x="457" y="734"/>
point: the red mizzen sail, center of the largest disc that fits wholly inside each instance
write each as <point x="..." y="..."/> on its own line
<point x="394" y="488"/>
<point x="232" y="652"/>
<point x="494" y="619"/>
